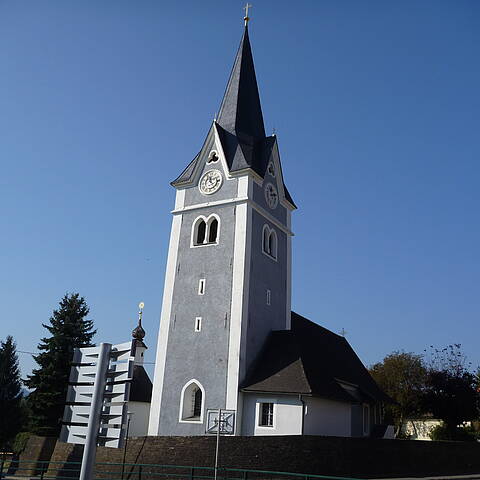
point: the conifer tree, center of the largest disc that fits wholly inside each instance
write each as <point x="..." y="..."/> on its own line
<point x="10" y="393"/>
<point x="68" y="329"/>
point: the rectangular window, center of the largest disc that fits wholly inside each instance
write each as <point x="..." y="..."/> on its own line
<point x="269" y="297"/>
<point x="198" y="324"/>
<point x="201" y="287"/>
<point x="266" y="415"/>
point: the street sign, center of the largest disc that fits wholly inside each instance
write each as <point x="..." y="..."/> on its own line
<point x="227" y="422"/>
<point x="111" y="403"/>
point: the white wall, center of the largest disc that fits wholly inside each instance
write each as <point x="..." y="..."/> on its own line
<point x="139" y="419"/>
<point x="327" y="417"/>
<point x="287" y="415"/>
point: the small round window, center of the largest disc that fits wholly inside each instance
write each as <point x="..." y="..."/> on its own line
<point x="212" y="157"/>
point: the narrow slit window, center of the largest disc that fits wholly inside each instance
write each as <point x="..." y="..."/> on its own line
<point x="201" y="287"/>
<point x="366" y="419"/>
<point x="269" y="297"/>
<point x="198" y="324"/>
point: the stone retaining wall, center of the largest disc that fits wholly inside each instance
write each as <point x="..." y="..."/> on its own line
<point x="351" y="457"/>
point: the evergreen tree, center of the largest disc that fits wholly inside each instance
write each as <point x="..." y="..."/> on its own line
<point x="68" y="329"/>
<point x="10" y="393"/>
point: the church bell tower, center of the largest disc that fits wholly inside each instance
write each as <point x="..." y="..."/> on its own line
<point x="228" y="274"/>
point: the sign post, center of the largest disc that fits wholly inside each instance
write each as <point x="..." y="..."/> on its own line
<point x="220" y="422"/>
<point x="219" y="426"/>
<point x="90" y="450"/>
<point x="98" y="392"/>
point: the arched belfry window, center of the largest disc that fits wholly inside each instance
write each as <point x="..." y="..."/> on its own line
<point x="201" y="230"/>
<point x="205" y="231"/>
<point x="192" y="402"/>
<point x="272" y="244"/>
<point x="212" y="230"/>
<point x="269" y="242"/>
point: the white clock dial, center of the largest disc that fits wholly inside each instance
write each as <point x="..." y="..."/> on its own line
<point x="210" y="182"/>
<point x="271" y="195"/>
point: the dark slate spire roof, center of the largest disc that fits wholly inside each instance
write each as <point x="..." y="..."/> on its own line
<point x="240" y="123"/>
<point x="240" y="111"/>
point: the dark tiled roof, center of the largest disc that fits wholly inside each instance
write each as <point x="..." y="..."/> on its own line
<point x="309" y="359"/>
<point x="141" y="386"/>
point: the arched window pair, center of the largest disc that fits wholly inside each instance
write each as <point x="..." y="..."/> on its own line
<point x="192" y="402"/>
<point x="205" y="230"/>
<point x="269" y="242"/>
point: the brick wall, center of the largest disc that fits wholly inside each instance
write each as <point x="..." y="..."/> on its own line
<point x="356" y="457"/>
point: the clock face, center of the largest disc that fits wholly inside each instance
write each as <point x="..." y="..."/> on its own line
<point x="210" y="182"/>
<point x="271" y="195"/>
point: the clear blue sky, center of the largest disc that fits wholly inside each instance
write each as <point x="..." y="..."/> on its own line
<point x="376" y="106"/>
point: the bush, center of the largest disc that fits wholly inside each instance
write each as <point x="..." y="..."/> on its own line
<point x="20" y="442"/>
<point x="460" y="434"/>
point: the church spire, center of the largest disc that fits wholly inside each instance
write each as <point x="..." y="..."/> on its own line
<point x="240" y="112"/>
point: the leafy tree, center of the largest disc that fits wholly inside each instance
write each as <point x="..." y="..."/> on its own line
<point x="10" y="393"/>
<point x="402" y="376"/>
<point x="451" y="389"/>
<point x="68" y="329"/>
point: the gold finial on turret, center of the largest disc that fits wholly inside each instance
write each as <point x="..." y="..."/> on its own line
<point x="246" y="17"/>
<point x="138" y="332"/>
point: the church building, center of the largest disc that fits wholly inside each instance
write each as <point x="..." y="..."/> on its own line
<point x="228" y="338"/>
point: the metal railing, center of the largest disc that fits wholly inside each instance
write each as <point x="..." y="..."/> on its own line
<point x="47" y="470"/>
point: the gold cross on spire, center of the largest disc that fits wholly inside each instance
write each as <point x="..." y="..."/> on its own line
<point x="246" y="17"/>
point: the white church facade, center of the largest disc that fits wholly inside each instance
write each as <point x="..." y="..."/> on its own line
<point x="228" y="338"/>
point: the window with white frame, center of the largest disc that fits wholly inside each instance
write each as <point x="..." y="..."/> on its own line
<point x="205" y="231"/>
<point x="269" y="242"/>
<point x="192" y="403"/>
<point x="198" y="324"/>
<point x="265" y="415"/>
<point x="201" y="286"/>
